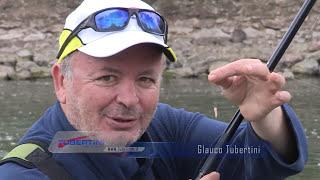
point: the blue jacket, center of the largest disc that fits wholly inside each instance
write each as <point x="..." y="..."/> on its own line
<point x="192" y="131"/>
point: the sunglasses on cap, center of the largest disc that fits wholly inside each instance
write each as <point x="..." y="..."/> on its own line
<point x="116" y="19"/>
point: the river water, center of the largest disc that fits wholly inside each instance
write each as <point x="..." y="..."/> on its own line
<point x="22" y="102"/>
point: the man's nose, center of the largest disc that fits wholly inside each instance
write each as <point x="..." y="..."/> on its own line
<point x="127" y="94"/>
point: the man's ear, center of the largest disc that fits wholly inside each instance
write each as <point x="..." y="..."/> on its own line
<point x="59" y="83"/>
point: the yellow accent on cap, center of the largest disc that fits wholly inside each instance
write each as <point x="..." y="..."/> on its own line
<point x="73" y="45"/>
<point x="171" y="55"/>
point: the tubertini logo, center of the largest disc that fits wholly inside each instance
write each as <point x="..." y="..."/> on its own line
<point x="80" y="140"/>
<point x="85" y="142"/>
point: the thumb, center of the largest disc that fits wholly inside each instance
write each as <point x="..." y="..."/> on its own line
<point x="211" y="176"/>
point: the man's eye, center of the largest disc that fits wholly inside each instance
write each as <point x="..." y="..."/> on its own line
<point x="107" y="79"/>
<point x="147" y="82"/>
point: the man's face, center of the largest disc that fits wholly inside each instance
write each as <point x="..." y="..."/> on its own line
<point x="115" y="96"/>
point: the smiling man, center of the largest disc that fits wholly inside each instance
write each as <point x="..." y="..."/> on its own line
<point x="116" y="96"/>
<point x="107" y="80"/>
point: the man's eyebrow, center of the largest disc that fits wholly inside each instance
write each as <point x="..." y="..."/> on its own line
<point x="106" y="69"/>
<point x="148" y="72"/>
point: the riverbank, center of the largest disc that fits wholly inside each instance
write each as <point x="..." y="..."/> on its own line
<point x="204" y="35"/>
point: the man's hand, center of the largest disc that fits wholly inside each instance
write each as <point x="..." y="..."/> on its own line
<point x="211" y="176"/>
<point x="249" y="84"/>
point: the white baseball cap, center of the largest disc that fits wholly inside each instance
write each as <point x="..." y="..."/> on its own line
<point x="105" y="44"/>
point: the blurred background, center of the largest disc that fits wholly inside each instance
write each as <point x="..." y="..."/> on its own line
<point x="205" y="34"/>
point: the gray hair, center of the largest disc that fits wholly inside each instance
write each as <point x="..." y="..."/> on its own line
<point x="66" y="68"/>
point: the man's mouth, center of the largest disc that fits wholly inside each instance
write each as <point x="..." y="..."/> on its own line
<point x="122" y="122"/>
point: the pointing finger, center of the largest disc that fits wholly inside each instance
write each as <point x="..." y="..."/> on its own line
<point x="250" y="67"/>
<point x="224" y="83"/>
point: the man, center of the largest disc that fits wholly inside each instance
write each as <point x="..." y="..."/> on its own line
<point x="107" y="80"/>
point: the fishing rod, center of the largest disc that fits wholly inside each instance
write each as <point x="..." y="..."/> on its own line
<point x="211" y="163"/>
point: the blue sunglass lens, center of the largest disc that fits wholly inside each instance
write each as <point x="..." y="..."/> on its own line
<point x="152" y="22"/>
<point x="111" y="20"/>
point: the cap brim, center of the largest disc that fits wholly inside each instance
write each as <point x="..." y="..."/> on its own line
<point x="114" y="43"/>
